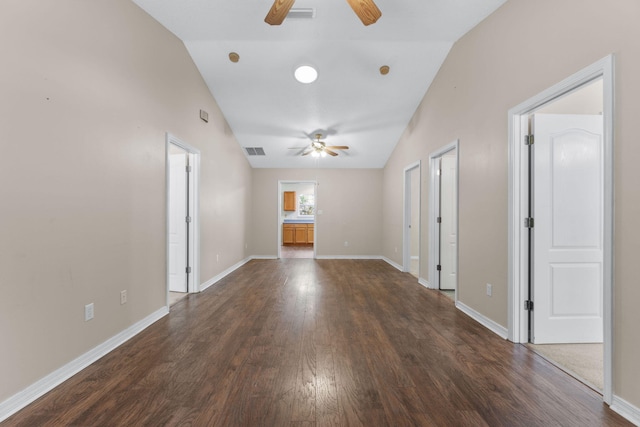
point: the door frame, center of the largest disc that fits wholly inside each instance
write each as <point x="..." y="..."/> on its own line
<point x="193" y="278"/>
<point x="519" y="199"/>
<point x="434" y="209"/>
<point x="315" y="216"/>
<point x="406" y="221"/>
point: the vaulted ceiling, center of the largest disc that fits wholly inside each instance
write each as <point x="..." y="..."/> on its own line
<point x="351" y="103"/>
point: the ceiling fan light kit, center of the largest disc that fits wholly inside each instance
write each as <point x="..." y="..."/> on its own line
<point x="319" y="148"/>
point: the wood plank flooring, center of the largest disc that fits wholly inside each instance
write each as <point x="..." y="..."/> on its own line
<point x="302" y="342"/>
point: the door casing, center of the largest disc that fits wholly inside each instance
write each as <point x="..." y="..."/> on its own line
<point x="407" y="203"/>
<point x="434" y="209"/>
<point x="194" y="208"/>
<point x="519" y="199"/>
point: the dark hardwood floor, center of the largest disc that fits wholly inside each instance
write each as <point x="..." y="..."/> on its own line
<point x="302" y="342"/>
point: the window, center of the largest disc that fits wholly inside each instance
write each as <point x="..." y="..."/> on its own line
<point x="306" y="204"/>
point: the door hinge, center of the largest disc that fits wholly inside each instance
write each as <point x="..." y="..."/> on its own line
<point x="439" y="267"/>
<point x="188" y="219"/>
<point x="528" y="223"/>
<point x="528" y="305"/>
<point x="439" y="220"/>
<point x="188" y="270"/>
<point x="529" y="140"/>
<point x="188" y="169"/>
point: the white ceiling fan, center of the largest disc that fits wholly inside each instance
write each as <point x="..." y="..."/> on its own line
<point x="366" y="10"/>
<point x="319" y="148"/>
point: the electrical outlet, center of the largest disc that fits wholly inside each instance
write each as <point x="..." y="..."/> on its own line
<point x="88" y="312"/>
<point x="346" y="243"/>
<point x="217" y="257"/>
<point x="396" y="249"/>
<point x="123" y="297"/>
<point x="489" y="289"/>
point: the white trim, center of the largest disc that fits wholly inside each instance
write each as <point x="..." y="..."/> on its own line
<point x="626" y="409"/>
<point x="434" y="203"/>
<point x="224" y="274"/>
<point x="494" y="327"/>
<point x="391" y="263"/>
<point x="262" y="257"/>
<point x="517" y="242"/>
<point x="424" y="283"/>
<point x="406" y="217"/>
<point x="60" y="375"/>
<point x="194" y="230"/>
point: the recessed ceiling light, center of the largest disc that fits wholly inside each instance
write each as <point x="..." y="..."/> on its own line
<point x="384" y="70"/>
<point x="306" y="74"/>
<point x="234" y="57"/>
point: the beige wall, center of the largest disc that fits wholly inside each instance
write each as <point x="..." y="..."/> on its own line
<point x="88" y="90"/>
<point x="351" y="205"/>
<point x="516" y="53"/>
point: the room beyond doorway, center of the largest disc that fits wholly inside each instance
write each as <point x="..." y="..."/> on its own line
<point x="297" y="219"/>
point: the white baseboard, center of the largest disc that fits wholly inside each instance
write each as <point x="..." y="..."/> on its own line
<point x="392" y="263"/>
<point x="57" y="377"/>
<point x="424" y="283"/>
<point x="225" y="273"/>
<point x="626" y="409"/>
<point x="483" y="320"/>
<point x="262" y="257"/>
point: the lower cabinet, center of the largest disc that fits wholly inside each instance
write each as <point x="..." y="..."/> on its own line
<point x="287" y="234"/>
<point x="297" y="234"/>
<point x="310" y="233"/>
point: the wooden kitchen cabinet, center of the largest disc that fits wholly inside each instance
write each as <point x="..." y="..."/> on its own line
<point x="297" y="234"/>
<point x="310" y="233"/>
<point x="289" y="200"/>
<point x="301" y="234"/>
<point x="287" y="234"/>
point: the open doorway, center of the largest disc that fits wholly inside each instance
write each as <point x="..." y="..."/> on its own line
<point x="561" y="225"/>
<point x="443" y="220"/>
<point x="411" y="238"/>
<point x="566" y="251"/>
<point x="296" y="219"/>
<point x="182" y="219"/>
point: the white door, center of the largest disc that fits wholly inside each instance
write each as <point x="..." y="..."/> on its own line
<point x="177" y="222"/>
<point x="568" y="229"/>
<point x="448" y="215"/>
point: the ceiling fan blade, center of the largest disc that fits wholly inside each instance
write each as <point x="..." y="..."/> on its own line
<point x="299" y="151"/>
<point x="338" y="147"/>
<point x="306" y="153"/>
<point x="332" y="153"/>
<point x="278" y="11"/>
<point x="366" y="10"/>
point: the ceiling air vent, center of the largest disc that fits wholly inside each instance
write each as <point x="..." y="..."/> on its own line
<point x="301" y="13"/>
<point x="255" y="151"/>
